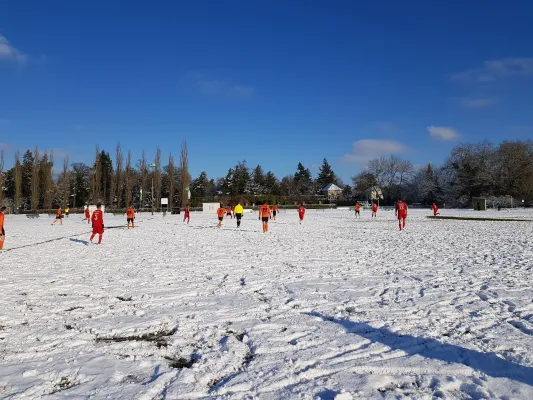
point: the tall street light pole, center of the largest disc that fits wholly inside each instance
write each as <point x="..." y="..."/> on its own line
<point x="153" y="172"/>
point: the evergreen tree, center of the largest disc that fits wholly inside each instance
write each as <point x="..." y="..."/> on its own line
<point x="326" y="175"/>
<point x="200" y="186"/>
<point x="303" y="180"/>
<point x="240" y="180"/>
<point x="271" y="184"/>
<point x="258" y="181"/>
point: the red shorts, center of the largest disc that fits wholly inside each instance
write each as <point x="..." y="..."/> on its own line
<point x="187" y="215"/>
<point x="402" y="215"/>
<point x="98" y="230"/>
<point x="301" y="216"/>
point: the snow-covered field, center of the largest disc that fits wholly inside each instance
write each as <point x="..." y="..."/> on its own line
<point x="334" y="308"/>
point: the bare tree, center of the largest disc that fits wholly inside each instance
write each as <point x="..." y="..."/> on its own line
<point x="144" y="179"/>
<point x="1" y="177"/>
<point x="96" y="178"/>
<point x="171" y="188"/>
<point x="129" y="180"/>
<point x="18" y="182"/>
<point x="34" y="184"/>
<point x="184" y="170"/>
<point x="66" y="183"/>
<point x="157" y="179"/>
<point x="48" y="179"/>
<point x="118" y="175"/>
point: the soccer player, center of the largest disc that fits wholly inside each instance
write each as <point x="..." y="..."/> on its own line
<point x="401" y="213"/>
<point x="187" y="215"/>
<point x="2" y="230"/>
<point x="275" y="210"/>
<point x="59" y="216"/>
<point x="67" y="212"/>
<point x="130" y="214"/>
<point x="301" y="212"/>
<point x="357" y="210"/>
<point x="98" y="223"/>
<point x="375" y="210"/>
<point x="228" y="212"/>
<point x="239" y="212"/>
<point x="435" y="209"/>
<point x="87" y="215"/>
<point x="264" y="214"/>
<point x="221" y="212"/>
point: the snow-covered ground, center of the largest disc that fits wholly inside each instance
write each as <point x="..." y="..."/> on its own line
<point x="334" y="308"/>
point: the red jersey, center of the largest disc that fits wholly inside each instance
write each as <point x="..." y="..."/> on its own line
<point x="401" y="208"/>
<point x="87" y="213"/>
<point x="374" y="207"/>
<point x="301" y="210"/>
<point x="187" y="209"/>
<point x="2" y="216"/>
<point x="97" y="219"/>
<point x="58" y="213"/>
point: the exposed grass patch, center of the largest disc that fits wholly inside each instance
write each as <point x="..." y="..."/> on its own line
<point x="159" y="338"/>
<point x="481" y="219"/>
<point x="180" y="363"/>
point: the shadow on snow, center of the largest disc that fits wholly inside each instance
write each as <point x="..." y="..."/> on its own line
<point x="487" y="363"/>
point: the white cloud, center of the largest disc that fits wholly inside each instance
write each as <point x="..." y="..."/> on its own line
<point x="479" y="102"/>
<point x="368" y="149"/>
<point x="496" y="69"/>
<point x="443" y="133"/>
<point x="10" y="53"/>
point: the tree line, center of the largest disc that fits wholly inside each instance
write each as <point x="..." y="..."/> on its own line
<point x="498" y="172"/>
<point x="502" y="173"/>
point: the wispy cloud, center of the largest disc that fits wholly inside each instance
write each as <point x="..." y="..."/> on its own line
<point x="496" y="69"/>
<point x="217" y="88"/>
<point x="368" y="149"/>
<point x="443" y="133"/>
<point x="10" y="53"/>
<point x="477" y="102"/>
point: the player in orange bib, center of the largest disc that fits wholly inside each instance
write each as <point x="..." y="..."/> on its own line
<point x="2" y="230"/>
<point x="375" y="210"/>
<point x="275" y="211"/>
<point x="221" y="212"/>
<point x="59" y="217"/>
<point x="228" y="212"/>
<point x="130" y="214"/>
<point x="357" y="210"/>
<point x="264" y="215"/>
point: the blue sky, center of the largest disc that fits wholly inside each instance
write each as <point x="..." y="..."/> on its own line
<point x="272" y="83"/>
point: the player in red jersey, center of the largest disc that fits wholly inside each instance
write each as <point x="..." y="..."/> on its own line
<point x="98" y="223"/>
<point x="187" y="215"/>
<point x="435" y="209"/>
<point x="401" y="213"/>
<point x="375" y="210"/>
<point x="87" y="215"/>
<point x="301" y="212"/>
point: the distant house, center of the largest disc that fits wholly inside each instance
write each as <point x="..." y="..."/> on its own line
<point x="332" y="191"/>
